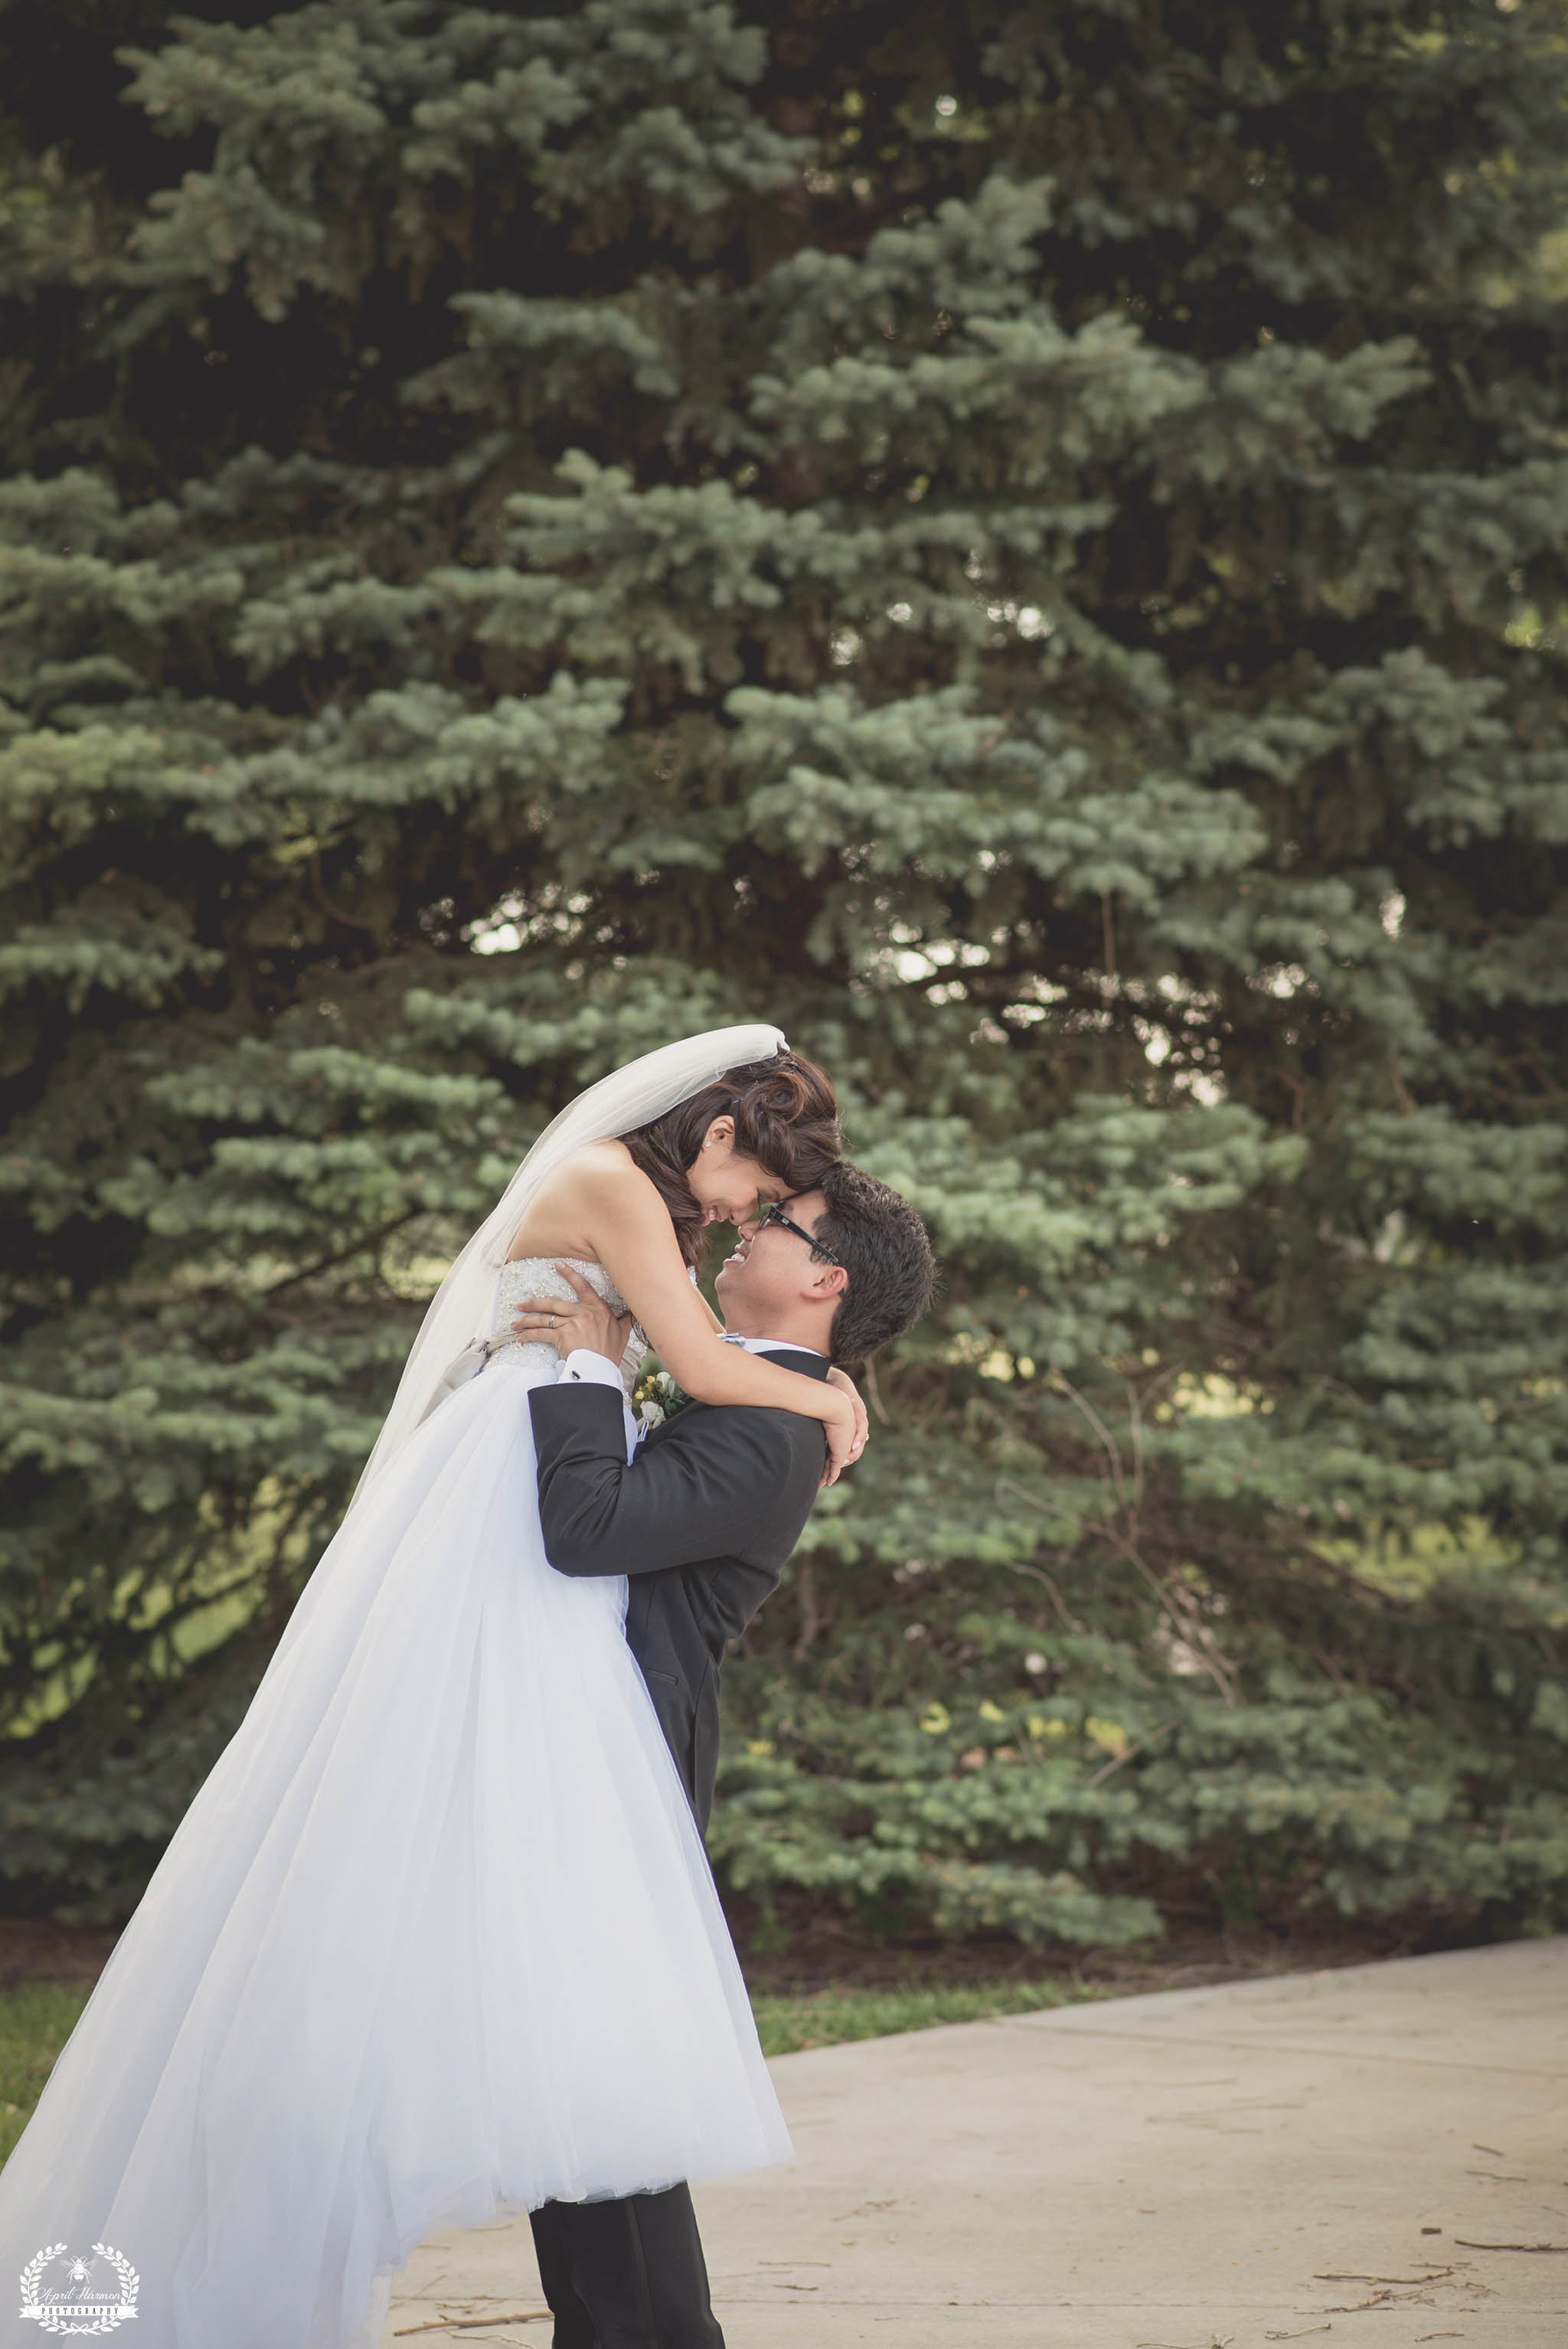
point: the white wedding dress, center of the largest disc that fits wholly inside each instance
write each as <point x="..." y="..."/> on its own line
<point x="437" y="1940"/>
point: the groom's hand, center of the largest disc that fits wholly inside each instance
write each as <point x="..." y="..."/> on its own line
<point x="587" y="1323"/>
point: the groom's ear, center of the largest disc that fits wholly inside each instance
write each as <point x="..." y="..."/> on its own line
<point x="828" y="1280"/>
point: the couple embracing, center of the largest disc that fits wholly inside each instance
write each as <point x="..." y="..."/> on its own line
<point x="437" y="1938"/>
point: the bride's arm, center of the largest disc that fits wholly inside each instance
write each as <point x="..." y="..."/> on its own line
<point x="713" y="1320"/>
<point x="632" y="1237"/>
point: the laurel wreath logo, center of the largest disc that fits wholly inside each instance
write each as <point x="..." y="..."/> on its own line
<point x="54" y="2315"/>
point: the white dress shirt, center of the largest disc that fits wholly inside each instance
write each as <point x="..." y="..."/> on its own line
<point x="582" y="1367"/>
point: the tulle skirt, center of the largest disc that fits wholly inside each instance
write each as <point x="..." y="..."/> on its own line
<point x="436" y="1941"/>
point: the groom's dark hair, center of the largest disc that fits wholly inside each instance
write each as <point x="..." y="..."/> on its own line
<point x="882" y="1244"/>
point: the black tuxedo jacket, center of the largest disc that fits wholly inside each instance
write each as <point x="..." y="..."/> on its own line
<point x="702" y="1521"/>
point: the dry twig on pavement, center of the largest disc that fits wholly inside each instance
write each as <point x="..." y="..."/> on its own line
<point x="1464" y="2241"/>
<point x="472" y="2323"/>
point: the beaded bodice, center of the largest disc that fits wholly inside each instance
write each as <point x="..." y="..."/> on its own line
<point x="535" y="1275"/>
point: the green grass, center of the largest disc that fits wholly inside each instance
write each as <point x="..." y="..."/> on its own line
<point x="37" y="2018"/>
<point x="824" y="2017"/>
<point x="35" y="2021"/>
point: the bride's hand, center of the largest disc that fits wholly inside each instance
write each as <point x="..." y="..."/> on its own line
<point x="588" y="1323"/>
<point x="847" y="1387"/>
<point x="846" y="1432"/>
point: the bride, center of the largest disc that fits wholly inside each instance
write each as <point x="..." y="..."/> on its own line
<point x="437" y="1939"/>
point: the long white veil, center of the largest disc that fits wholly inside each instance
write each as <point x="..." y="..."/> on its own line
<point x="459" y="1313"/>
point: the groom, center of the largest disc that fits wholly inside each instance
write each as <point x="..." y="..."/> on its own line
<point x="707" y="1508"/>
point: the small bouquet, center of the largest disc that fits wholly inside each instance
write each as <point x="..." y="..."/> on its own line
<point x="655" y="1397"/>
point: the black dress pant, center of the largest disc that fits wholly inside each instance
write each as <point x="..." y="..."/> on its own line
<point x="627" y="2274"/>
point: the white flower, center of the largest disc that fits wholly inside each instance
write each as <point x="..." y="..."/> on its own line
<point x="654" y="1397"/>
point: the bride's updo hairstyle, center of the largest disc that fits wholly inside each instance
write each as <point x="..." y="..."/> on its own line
<point x="785" y="1117"/>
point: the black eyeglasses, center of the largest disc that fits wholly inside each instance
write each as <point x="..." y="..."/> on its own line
<point x="774" y="1213"/>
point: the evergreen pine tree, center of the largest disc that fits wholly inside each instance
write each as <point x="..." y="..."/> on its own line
<point x="1021" y="542"/>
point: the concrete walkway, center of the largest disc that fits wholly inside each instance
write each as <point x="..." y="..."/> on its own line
<point x="1374" y="2156"/>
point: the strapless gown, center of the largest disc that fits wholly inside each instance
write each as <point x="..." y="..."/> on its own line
<point x="437" y="1940"/>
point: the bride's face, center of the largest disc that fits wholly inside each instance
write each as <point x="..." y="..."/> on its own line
<point x="727" y="1188"/>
